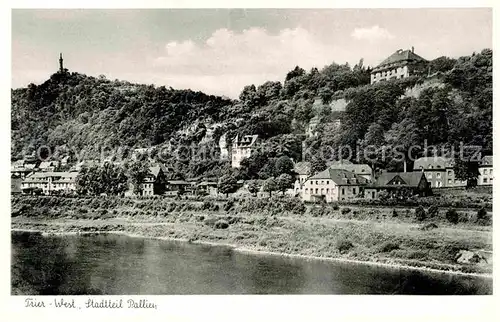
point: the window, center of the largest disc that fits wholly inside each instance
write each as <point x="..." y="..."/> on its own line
<point x="307" y="190"/>
<point x="450" y="173"/>
<point x="485" y="171"/>
<point x="322" y="182"/>
<point x="353" y="191"/>
<point x="438" y="175"/>
<point x="322" y="191"/>
<point x="373" y="194"/>
<point x="316" y="191"/>
<point x="491" y="171"/>
<point x="327" y="190"/>
<point x="485" y="180"/>
<point x="343" y="191"/>
<point x="316" y="182"/>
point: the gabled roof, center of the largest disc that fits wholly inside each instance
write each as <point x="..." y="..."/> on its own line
<point x="486" y="161"/>
<point x="178" y="182"/>
<point x="409" y="179"/>
<point x="400" y="56"/>
<point x="42" y="176"/>
<point x="245" y="141"/>
<point x="155" y="170"/>
<point x="340" y="177"/>
<point x="302" y="167"/>
<point x="427" y="163"/>
<point x="361" y="169"/>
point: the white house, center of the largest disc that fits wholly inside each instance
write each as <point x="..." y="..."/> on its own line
<point x="333" y="185"/>
<point x="242" y="149"/>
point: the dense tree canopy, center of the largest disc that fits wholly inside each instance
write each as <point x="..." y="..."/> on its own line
<point x="84" y="114"/>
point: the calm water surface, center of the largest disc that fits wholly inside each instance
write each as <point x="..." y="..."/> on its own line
<point x="120" y="265"/>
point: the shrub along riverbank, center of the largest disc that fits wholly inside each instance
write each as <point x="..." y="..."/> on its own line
<point x="421" y="237"/>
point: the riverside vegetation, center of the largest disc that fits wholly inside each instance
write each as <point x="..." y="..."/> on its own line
<point x="432" y="237"/>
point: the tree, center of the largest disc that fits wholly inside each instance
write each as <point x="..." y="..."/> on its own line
<point x="420" y="214"/>
<point x="137" y="172"/>
<point x="466" y="169"/>
<point x="269" y="91"/>
<point x="283" y="165"/>
<point x="452" y="216"/>
<point x="284" y="182"/>
<point x="269" y="186"/>
<point x="95" y="180"/>
<point x="228" y="184"/>
<point x="249" y="96"/>
<point x="296" y="72"/>
<point x="253" y="187"/>
<point x="317" y="165"/>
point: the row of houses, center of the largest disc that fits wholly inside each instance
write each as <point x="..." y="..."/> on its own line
<point x="343" y="181"/>
<point x="154" y="183"/>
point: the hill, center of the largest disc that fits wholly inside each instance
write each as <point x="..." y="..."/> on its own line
<point x="86" y="115"/>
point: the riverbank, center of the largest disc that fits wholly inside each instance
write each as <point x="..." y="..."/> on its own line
<point x="261" y="252"/>
<point x="364" y="235"/>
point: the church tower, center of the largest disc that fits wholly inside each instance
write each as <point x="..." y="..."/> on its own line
<point x="61" y="68"/>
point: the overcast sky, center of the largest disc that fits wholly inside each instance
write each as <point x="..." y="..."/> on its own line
<point x="219" y="51"/>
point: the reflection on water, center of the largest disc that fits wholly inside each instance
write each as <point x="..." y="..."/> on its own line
<point x="120" y="265"/>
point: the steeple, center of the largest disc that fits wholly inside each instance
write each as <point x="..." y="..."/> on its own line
<point x="61" y="68"/>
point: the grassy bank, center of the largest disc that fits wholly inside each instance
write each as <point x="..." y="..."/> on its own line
<point x="277" y="225"/>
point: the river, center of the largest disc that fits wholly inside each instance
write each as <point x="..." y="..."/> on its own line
<point x="121" y="265"/>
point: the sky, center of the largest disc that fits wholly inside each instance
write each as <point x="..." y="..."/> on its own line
<point x="219" y="51"/>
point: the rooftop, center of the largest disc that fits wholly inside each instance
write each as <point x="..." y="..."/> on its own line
<point x="486" y="160"/>
<point x="356" y="168"/>
<point x="302" y="167"/>
<point x="427" y="163"/>
<point x="400" y="56"/>
<point x="406" y="179"/>
<point x="340" y="177"/>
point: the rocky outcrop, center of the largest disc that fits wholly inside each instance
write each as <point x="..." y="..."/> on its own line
<point x="469" y="257"/>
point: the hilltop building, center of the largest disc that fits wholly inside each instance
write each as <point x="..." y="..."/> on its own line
<point x="61" y="65"/>
<point x="242" y="149"/>
<point x="400" y="64"/>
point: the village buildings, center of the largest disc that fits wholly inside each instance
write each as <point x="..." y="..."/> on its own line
<point x="333" y="185"/>
<point x="242" y="149"/>
<point x="439" y="172"/>
<point x="302" y="172"/>
<point x="485" y="177"/>
<point x="51" y="182"/>
<point x="398" y="184"/>
<point x="400" y="64"/>
<point x="363" y="170"/>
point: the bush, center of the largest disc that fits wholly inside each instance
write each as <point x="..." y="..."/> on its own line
<point x="420" y="214"/>
<point x="228" y="205"/>
<point x="482" y="214"/>
<point x="433" y="211"/>
<point x="221" y="224"/>
<point x="394" y="213"/>
<point x="452" y="216"/>
<point x="344" y="245"/>
<point x="388" y="246"/>
<point x="429" y="226"/>
<point x="345" y="211"/>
